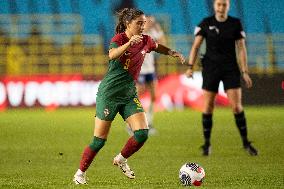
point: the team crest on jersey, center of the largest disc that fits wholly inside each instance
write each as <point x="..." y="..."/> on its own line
<point x="214" y="28"/>
<point x="106" y="112"/>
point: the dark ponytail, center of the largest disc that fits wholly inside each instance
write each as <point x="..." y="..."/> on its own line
<point x="126" y="15"/>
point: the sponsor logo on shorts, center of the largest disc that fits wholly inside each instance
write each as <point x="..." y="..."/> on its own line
<point x="138" y="103"/>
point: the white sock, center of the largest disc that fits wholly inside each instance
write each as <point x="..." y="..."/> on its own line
<point x="149" y="114"/>
<point x="79" y="172"/>
<point x="120" y="157"/>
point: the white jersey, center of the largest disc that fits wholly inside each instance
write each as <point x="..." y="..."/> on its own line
<point x="148" y="65"/>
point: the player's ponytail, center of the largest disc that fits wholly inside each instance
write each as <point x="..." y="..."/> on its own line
<point x="125" y="16"/>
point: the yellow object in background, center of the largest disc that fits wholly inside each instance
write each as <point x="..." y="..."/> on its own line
<point x="15" y="60"/>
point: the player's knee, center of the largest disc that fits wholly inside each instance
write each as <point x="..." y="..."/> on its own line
<point x="97" y="144"/>
<point x="141" y="135"/>
<point x="237" y="108"/>
<point x="208" y="109"/>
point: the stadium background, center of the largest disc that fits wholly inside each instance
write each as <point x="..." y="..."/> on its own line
<point x="70" y="39"/>
<point x="54" y="52"/>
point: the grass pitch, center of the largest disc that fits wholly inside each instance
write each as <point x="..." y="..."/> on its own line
<point x="41" y="149"/>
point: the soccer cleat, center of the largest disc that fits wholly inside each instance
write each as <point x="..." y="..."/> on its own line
<point x="250" y="149"/>
<point x="206" y="150"/>
<point x="80" y="177"/>
<point x="124" y="167"/>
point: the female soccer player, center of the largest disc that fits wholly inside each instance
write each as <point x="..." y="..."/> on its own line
<point x="222" y="33"/>
<point x="117" y="92"/>
<point x="147" y="78"/>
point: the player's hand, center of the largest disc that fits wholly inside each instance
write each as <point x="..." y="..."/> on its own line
<point x="247" y="80"/>
<point x="135" y="39"/>
<point x="177" y="55"/>
<point x="189" y="73"/>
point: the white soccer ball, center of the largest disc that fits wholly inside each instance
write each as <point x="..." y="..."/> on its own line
<point x="191" y="174"/>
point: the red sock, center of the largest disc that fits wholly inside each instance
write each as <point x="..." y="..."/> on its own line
<point x="131" y="147"/>
<point x="87" y="158"/>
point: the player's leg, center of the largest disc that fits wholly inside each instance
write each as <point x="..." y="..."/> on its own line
<point x="209" y="100"/>
<point x="100" y="135"/>
<point x="134" y="115"/>
<point x="141" y="88"/>
<point x="151" y="87"/>
<point x="138" y="123"/>
<point x="235" y="99"/>
<point x="105" y="113"/>
<point x="210" y="85"/>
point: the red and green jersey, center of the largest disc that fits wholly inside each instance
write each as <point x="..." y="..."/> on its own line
<point x="119" y="82"/>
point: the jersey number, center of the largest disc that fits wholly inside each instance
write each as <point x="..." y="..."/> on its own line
<point x="127" y="63"/>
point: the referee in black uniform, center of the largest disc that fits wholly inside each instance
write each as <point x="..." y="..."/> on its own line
<point x="222" y="34"/>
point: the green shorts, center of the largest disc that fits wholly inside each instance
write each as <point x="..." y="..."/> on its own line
<point x="107" y="109"/>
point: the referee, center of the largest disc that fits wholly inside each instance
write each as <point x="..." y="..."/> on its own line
<point x="222" y="34"/>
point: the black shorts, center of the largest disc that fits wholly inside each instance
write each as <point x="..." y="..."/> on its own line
<point x="212" y="77"/>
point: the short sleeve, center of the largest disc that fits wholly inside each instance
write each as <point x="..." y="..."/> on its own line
<point x="151" y="44"/>
<point x="200" y="29"/>
<point x="116" y="41"/>
<point x="239" y="34"/>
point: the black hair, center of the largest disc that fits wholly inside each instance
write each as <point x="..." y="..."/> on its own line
<point x="126" y="15"/>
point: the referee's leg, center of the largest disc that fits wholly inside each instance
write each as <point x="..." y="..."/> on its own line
<point x="208" y="107"/>
<point x="235" y="99"/>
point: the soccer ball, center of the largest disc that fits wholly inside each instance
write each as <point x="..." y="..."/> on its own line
<point x="191" y="174"/>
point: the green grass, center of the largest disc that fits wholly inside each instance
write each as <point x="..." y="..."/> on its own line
<point x="31" y="140"/>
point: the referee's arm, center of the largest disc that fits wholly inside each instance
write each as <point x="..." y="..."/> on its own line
<point x="193" y="54"/>
<point x="242" y="52"/>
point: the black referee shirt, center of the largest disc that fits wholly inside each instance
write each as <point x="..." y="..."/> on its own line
<point x="220" y="40"/>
